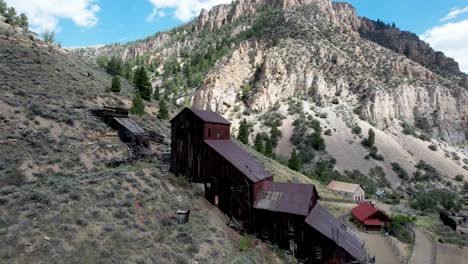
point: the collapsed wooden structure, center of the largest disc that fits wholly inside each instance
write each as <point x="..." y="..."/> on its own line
<point x="129" y="131"/>
<point x="284" y="213"/>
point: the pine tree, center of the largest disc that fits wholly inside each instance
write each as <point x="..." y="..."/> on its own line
<point x="156" y="94"/>
<point x="116" y="86"/>
<point x="163" y="112"/>
<point x="258" y="142"/>
<point x="274" y="135"/>
<point x="371" y="139"/>
<point x="127" y="70"/>
<point x="48" y="36"/>
<point x="10" y="17"/>
<point x="142" y="83"/>
<point x="23" y="21"/>
<point x="138" y="107"/>
<point x="114" y="66"/>
<point x="269" y="148"/>
<point x="243" y="134"/>
<point x="293" y="162"/>
<point x="3" y="8"/>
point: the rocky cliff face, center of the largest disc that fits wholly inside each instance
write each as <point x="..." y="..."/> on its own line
<point x="309" y="61"/>
<point x="318" y="49"/>
<point x="406" y="43"/>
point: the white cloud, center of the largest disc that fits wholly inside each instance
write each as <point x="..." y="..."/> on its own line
<point x="155" y="13"/>
<point x="452" y="39"/>
<point x="454" y="13"/>
<point x="184" y="9"/>
<point x="45" y="14"/>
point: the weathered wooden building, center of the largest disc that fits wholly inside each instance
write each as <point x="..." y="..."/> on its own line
<point x="232" y="179"/>
<point x="129" y="131"/>
<point x="328" y="240"/>
<point x="281" y="209"/>
<point x="189" y="129"/>
<point x="284" y="213"/>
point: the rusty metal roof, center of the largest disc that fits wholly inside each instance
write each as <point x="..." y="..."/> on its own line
<point x="325" y="223"/>
<point x="240" y="159"/>
<point x="291" y="198"/>
<point x="209" y="116"/>
<point x="130" y="124"/>
<point x="206" y="116"/>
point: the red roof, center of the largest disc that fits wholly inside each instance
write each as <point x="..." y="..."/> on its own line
<point x="372" y="222"/>
<point x="365" y="210"/>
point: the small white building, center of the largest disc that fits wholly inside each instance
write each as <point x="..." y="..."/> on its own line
<point x="351" y="191"/>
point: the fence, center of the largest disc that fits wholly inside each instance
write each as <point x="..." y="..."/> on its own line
<point x="339" y="200"/>
<point x="401" y="256"/>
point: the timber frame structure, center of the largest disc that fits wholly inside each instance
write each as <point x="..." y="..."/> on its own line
<point x="287" y="214"/>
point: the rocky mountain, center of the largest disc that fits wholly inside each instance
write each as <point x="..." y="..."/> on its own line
<point x="247" y="58"/>
<point x="320" y="49"/>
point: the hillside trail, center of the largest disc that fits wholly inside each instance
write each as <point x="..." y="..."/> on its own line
<point x="379" y="247"/>
<point x="423" y="248"/>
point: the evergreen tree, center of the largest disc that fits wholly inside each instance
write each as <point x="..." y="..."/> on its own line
<point x="23" y="21"/>
<point x="258" y="142"/>
<point x="243" y="134"/>
<point x="163" y="112"/>
<point x="138" y="107"/>
<point x="274" y="135"/>
<point x="293" y="162"/>
<point x="371" y="139"/>
<point x="3" y="8"/>
<point x="317" y="141"/>
<point x="156" y="95"/>
<point x="142" y="83"/>
<point x="127" y="70"/>
<point x="48" y="36"/>
<point x="114" y="67"/>
<point x="116" y="86"/>
<point x="269" y="148"/>
<point x="246" y="91"/>
<point x="10" y="17"/>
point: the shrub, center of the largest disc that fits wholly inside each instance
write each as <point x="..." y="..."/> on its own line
<point x="399" y="171"/>
<point x="432" y="147"/>
<point x="323" y="115"/>
<point x="375" y="155"/>
<point x="459" y="177"/>
<point x="408" y="129"/>
<point x="335" y="101"/>
<point x="245" y="242"/>
<point x="328" y="132"/>
<point x="294" y="163"/>
<point x="424" y="136"/>
<point x="163" y="112"/>
<point x="138" y="107"/>
<point x="399" y="228"/>
<point x="357" y="130"/>
<point x="116" y="86"/>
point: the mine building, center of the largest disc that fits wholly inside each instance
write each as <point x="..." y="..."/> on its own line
<point x="287" y="214"/>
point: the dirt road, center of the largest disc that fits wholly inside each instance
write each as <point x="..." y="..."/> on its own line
<point x="380" y="248"/>
<point x="423" y="249"/>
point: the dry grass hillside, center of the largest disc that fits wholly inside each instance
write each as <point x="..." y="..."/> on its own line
<point x="58" y="201"/>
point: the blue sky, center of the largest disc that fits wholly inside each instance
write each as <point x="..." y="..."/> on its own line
<point x="95" y="22"/>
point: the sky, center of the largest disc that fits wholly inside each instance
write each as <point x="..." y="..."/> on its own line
<point x="441" y="23"/>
